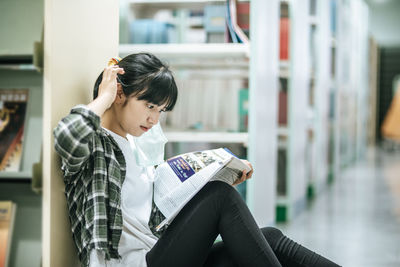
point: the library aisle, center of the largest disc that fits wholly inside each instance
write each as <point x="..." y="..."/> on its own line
<point x="356" y="221"/>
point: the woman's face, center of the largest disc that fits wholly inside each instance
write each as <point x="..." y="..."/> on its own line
<point x="137" y="116"/>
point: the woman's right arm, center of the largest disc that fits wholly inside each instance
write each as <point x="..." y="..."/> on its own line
<point x="74" y="132"/>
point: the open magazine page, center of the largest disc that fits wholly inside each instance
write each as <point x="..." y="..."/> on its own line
<point x="172" y="185"/>
<point x="180" y="178"/>
<point x="168" y="199"/>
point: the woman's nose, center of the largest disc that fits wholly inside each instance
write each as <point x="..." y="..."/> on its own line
<point x="153" y="117"/>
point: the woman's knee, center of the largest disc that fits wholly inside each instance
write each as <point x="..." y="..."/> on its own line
<point x="272" y="234"/>
<point x="219" y="187"/>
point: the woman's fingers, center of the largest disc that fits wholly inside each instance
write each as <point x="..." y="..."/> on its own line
<point x="241" y="179"/>
<point x="110" y="73"/>
<point x="250" y="173"/>
<point x="245" y="175"/>
<point x="110" y="77"/>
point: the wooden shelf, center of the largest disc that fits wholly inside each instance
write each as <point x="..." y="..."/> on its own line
<point x="283" y="131"/>
<point x="157" y="2"/>
<point x="284" y="69"/>
<point x="23" y="175"/>
<point x="207" y="137"/>
<point x="282" y="200"/>
<point x="17" y="67"/>
<point x="206" y="50"/>
<point x="16" y="62"/>
<point x="178" y="3"/>
<point x="313" y="20"/>
<point x="333" y="41"/>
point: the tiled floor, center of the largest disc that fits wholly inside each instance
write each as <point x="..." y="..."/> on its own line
<point x="356" y="221"/>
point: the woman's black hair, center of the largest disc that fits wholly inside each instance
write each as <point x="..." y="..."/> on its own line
<point x="146" y="78"/>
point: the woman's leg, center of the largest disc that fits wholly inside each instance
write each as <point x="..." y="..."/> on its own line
<point x="216" y="209"/>
<point x="289" y="253"/>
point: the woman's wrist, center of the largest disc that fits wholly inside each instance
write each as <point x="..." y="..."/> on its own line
<point x="101" y="103"/>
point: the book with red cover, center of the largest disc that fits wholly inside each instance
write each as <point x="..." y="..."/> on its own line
<point x="7" y="216"/>
<point x="13" y="105"/>
<point x="284" y="38"/>
<point x="243" y="15"/>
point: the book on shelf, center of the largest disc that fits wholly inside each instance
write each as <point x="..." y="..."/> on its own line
<point x="283" y="102"/>
<point x="281" y="182"/>
<point x="236" y="33"/>
<point x="243" y="110"/>
<point x="243" y="17"/>
<point x="284" y="38"/>
<point x="7" y="217"/>
<point x="148" y="31"/>
<point x="13" y="106"/>
<point x="180" y="178"/>
<point x="215" y="23"/>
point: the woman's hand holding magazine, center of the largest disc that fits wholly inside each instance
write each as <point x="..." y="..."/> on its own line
<point x="180" y="178"/>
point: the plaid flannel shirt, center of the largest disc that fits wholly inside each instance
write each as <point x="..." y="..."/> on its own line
<point x="94" y="170"/>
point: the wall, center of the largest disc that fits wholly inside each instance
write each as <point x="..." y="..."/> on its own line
<point x="21" y="25"/>
<point x="80" y="38"/>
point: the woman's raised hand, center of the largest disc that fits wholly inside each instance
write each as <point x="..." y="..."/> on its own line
<point x="108" y="86"/>
<point x="107" y="90"/>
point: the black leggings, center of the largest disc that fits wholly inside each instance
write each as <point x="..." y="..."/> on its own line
<point x="219" y="209"/>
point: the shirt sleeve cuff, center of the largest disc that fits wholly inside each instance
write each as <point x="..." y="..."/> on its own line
<point x="85" y="112"/>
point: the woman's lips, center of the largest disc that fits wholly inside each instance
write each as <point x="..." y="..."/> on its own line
<point x="144" y="128"/>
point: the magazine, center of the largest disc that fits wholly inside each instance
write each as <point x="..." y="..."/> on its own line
<point x="180" y="178"/>
<point x="13" y="105"/>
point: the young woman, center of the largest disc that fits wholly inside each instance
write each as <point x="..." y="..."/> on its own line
<point x="109" y="189"/>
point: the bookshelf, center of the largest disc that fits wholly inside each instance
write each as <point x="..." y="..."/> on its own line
<point x="332" y="86"/>
<point x="351" y="76"/>
<point x="31" y="80"/>
<point x="16" y="186"/>
<point x="302" y="149"/>
<point x="204" y="65"/>
<point x="292" y="160"/>
<point x="319" y="142"/>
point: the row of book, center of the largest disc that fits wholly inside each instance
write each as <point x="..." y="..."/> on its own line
<point x="215" y="23"/>
<point x="209" y="105"/>
<point x="217" y="104"/>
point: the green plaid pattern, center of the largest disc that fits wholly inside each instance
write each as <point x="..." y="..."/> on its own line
<point x="94" y="171"/>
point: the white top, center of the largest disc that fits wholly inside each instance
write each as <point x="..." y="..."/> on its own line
<point x="136" y="196"/>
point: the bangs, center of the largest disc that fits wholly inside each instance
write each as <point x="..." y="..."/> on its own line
<point x="161" y="90"/>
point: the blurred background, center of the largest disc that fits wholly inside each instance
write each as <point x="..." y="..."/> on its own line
<point x="306" y="90"/>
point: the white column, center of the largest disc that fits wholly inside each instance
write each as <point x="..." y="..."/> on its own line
<point x="298" y="98"/>
<point x="322" y="90"/>
<point x="80" y="37"/>
<point x="263" y="98"/>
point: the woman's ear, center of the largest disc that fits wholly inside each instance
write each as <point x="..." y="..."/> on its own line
<point x="120" y="96"/>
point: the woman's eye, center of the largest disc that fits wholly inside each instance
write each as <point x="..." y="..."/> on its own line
<point x="150" y="106"/>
